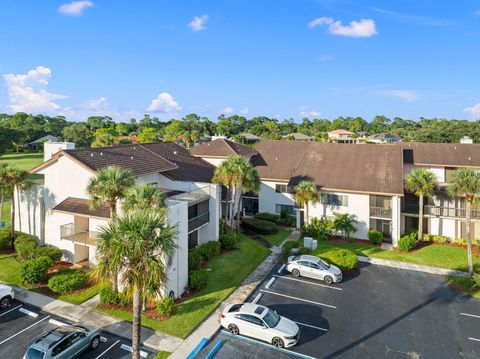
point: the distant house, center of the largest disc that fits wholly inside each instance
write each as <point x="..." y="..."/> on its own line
<point x="37" y="144"/>
<point x="343" y="136"/>
<point x="383" y="138"/>
<point x="250" y="137"/>
<point x="297" y="136"/>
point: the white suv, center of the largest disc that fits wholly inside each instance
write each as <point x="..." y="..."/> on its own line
<point x="6" y="296"/>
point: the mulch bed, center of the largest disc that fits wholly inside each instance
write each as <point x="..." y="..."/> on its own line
<point x="151" y="312"/>
<point x="59" y="265"/>
<point x="7" y="251"/>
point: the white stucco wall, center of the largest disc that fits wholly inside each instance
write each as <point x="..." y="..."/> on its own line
<point x="214" y="161"/>
<point x="268" y="198"/>
<point x="439" y="172"/>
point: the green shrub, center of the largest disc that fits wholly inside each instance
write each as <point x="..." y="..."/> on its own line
<point x="35" y="270"/>
<point x="209" y="250"/>
<point x="375" y="237"/>
<point x="290" y="221"/>
<point x="342" y="258"/>
<point x="259" y="226"/>
<point x="434" y="238"/>
<point x="67" y="280"/>
<point x="4" y="242"/>
<point x="229" y="240"/>
<point x="407" y="242"/>
<point x="195" y="260"/>
<point x="166" y="307"/>
<point x="198" y="279"/>
<point x="266" y="216"/>
<point x="25" y="246"/>
<point x="54" y="253"/>
<point x="108" y="296"/>
<point x="476" y="279"/>
<point x="304" y="250"/>
<point x="318" y="228"/>
<point x="410" y="230"/>
<point x="289" y="245"/>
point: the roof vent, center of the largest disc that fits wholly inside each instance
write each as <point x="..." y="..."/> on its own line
<point x="134" y="147"/>
<point x="175" y="152"/>
<point x="101" y="153"/>
<point x="131" y="157"/>
<point x="91" y="154"/>
<point x="469" y="158"/>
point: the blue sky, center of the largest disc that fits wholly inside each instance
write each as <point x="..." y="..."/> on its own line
<point x="284" y="58"/>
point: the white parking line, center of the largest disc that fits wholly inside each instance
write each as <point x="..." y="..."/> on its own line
<point x="58" y="323"/>
<point x="128" y="348"/>
<point x="305" y="281"/>
<point x="312" y="326"/>
<point x="303" y="300"/>
<point x="106" y="350"/>
<point x="11" y="310"/>
<point x="470" y="315"/>
<point x="21" y="331"/>
<point x="257" y="298"/>
<point x="28" y="312"/>
<point x="270" y="282"/>
<point x="474" y="339"/>
<point x="281" y="269"/>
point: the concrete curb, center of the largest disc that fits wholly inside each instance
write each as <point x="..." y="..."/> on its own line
<point x="412" y="266"/>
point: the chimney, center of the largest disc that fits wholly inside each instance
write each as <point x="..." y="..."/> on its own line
<point x="50" y="148"/>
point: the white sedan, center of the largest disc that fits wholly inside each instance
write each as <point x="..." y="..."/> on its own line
<point x="260" y="322"/>
<point x="6" y="296"/>
<point x="314" y="267"/>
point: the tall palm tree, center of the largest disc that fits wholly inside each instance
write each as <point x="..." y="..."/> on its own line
<point x="144" y="197"/>
<point x="421" y="182"/>
<point x="3" y="188"/>
<point x="346" y="223"/>
<point x="108" y="186"/>
<point x="305" y="193"/>
<point x="466" y="181"/>
<point x="224" y="176"/>
<point x="139" y="243"/>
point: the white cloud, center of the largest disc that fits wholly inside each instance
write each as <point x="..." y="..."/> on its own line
<point x="309" y="113"/>
<point x="198" y="23"/>
<point x="75" y="8"/>
<point x="326" y="57"/>
<point x="96" y="107"/>
<point x="405" y="95"/>
<point x="27" y="92"/>
<point x="244" y="110"/>
<point x="164" y="103"/>
<point x="473" y="110"/>
<point x="228" y="110"/>
<point x="356" y="28"/>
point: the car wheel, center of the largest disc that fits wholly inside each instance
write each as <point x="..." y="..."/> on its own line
<point x="277" y="342"/>
<point x="95" y="342"/>
<point x="327" y="279"/>
<point x="232" y="328"/>
<point x="296" y="273"/>
<point x="5" y="302"/>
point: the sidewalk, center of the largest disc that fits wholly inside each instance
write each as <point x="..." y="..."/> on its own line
<point x="84" y="314"/>
<point x="210" y="326"/>
<point x="412" y="266"/>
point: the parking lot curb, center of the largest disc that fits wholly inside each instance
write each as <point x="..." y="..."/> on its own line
<point x="412" y="266"/>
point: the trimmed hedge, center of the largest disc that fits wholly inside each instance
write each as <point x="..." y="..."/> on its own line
<point x="340" y="257"/>
<point x="195" y="260"/>
<point x="166" y="307"/>
<point x="435" y="238"/>
<point x="259" y="226"/>
<point x="229" y="240"/>
<point x="407" y="242"/>
<point x="35" y="270"/>
<point x="266" y="216"/>
<point x="209" y="250"/>
<point x="25" y="246"/>
<point x="375" y="237"/>
<point x="198" y="279"/>
<point x="108" y="296"/>
<point x="54" y="253"/>
<point x="67" y="280"/>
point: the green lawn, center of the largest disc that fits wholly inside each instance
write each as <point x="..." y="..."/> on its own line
<point x="465" y="284"/>
<point x="10" y="270"/>
<point x="79" y="297"/>
<point x="162" y="355"/>
<point x="228" y="270"/>
<point x="277" y="238"/>
<point x="433" y="255"/>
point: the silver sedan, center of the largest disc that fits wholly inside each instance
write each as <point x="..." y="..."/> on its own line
<point x="314" y="267"/>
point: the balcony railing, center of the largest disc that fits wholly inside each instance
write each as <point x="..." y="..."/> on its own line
<point x="68" y="232"/>
<point x="381" y="212"/>
<point x="439" y="211"/>
<point x="194" y="196"/>
<point x="198" y="221"/>
<point x="410" y="208"/>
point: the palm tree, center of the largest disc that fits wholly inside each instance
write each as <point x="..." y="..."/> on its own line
<point x="421" y="182"/>
<point x="224" y="176"/>
<point x="466" y="181"/>
<point x="108" y="186"/>
<point x="305" y="193"/>
<point x="346" y="223"/>
<point x="3" y="188"/>
<point x="139" y="243"/>
<point x="143" y="197"/>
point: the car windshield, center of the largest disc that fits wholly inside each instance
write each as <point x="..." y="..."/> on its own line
<point x="271" y="318"/>
<point x="33" y="353"/>
<point x="323" y="264"/>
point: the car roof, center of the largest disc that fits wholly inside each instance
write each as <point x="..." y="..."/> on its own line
<point x="253" y="309"/>
<point x="55" y="335"/>
<point x="306" y="257"/>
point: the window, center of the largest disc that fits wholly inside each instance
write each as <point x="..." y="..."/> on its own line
<point x="192" y="239"/>
<point x="332" y="199"/>
<point x="449" y="174"/>
<point x="75" y="337"/>
<point x="279" y="208"/>
<point x="283" y="188"/>
<point x="251" y="319"/>
<point x="381" y="202"/>
<point x="313" y="265"/>
<point x="62" y="346"/>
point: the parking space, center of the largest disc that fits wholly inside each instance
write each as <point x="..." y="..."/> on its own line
<point x="21" y="325"/>
<point x="377" y="312"/>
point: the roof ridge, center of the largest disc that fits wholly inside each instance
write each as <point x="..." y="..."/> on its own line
<point x="228" y="143"/>
<point x="301" y="159"/>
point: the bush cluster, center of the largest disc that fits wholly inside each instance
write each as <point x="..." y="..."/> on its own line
<point x="229" y="240"/>
<point x="25" y="246"/>
<point x="266" y="216"/>
<point x="4" y="238"/>
<point x="375" y="237"/>
<point x="298" y="244"/>
<point x="166" y="307"/>
<point x="198" y="279"/>
<point x="283" y="218"/>
<point x="35" y="270"/>
<point x="318" y="228"/>
<point x="54" y="253"/>
<point x="340" y="257"/>
<point x="435" y="238"/>
<point x="209" y="250"/>
<point x="259" y="226"/>
<point x="463" y="241"/>
<point x="407" y="242"/>
<point x="195" y="260"/>
<point x="476" y="279"/>
<point x="67" y="280"/>
<point x="108" y="296"/>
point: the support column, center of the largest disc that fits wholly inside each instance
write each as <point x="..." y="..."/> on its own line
<point x="396" y="219"/>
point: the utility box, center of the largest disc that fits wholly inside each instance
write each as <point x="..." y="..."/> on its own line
<point x="307" y="242"/>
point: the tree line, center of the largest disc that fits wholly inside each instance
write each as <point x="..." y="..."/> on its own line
<point x="17" y="130"/>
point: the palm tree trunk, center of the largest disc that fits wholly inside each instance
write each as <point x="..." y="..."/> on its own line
<point x="137" y="321"/>
<point x="113" y="210"/>
<point x="306" y="212"/>
<point x="420" y="218"/>
<point x="469" y="239"/>
<point x="227" y="207"/>
<point x="12" y="225"/>
<point x="1" y="207"/>
<point x="238" y="212"/>
<point x="232" y="207"/>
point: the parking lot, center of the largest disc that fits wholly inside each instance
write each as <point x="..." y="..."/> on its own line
<point x="377" y="312"/>
<point x="21" y="325"/>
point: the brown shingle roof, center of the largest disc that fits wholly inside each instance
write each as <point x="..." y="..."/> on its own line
<point x="441" y="154"/>
<point x="221" y="148"/>
<point x="81" y="206"/>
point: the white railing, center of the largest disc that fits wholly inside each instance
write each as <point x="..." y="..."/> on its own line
<point x="193" y="196"/>
<point x="68" y="232"/>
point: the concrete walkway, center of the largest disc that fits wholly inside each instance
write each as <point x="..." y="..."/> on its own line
<point x="209" y="327"/>
<point x="412" y="266"/>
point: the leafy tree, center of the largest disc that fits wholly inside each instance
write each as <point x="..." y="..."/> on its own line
<point x="345" y="223"/>
<point x="97" y="122"/>
<point x="79" y="134"/>
<point x="148" y="135"/>
<point x="305" y="193"/>
<point x="421" y="182"/>
<point x="466" y="182"/>
<point x="173" y="131"/>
